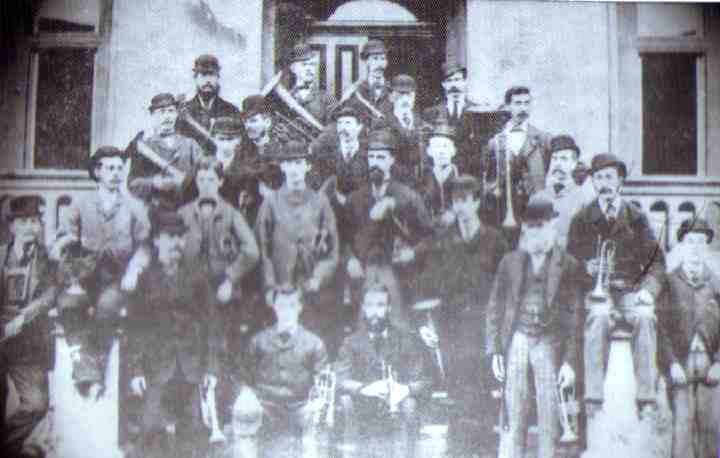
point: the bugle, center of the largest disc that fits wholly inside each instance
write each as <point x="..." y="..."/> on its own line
<point x="209" y="414"/>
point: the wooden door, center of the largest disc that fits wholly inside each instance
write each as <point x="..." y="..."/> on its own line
<point x="338" y="57"/>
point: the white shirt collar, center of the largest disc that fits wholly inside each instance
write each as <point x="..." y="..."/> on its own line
<point x="523" y="126"/>
<point x="451" y="104"/>
<point x="348" y="149"/>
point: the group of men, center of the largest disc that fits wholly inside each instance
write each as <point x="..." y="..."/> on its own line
<point x="249" y="264"/>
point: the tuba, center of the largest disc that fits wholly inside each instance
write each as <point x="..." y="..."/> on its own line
<point x="569" y="410"/>
<point x="606" y="268"/>
<point x="322" y="398"/>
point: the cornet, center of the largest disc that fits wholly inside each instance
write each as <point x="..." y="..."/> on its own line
<point x="509" y="222"/>
<point x="605" y="270"/>
<point x="209" y="414"/>
<point x="569" y="410"/>
<point x="392" y="395"/>
<point x="322" y="398"/>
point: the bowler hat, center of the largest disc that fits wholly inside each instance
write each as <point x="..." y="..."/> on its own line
<point x="227" y="125"/>
<point x="252" y="105"/>
<point x="403" y="83"/>
<point x="563" y="142"/>
<point x="603" y="160"/>
<point x="206" y="63"/>
<point x="695" y="225"/>
<point x="539" y="209"/>
<point x="372" y="47"/>
<point x="464" y="184"/>
<point x="381" y="140"/>
<point x="294" y="149"/>
<point x="443" y="129"/>
<point x="347" y="110"/>
<point x="301" y="52"/>
<point x="24" y="207"/>
<point x="101" y="153"/>
<point x="167" y="221"/>
<point x="162" y="100"/>
<point x="450" y="68"/>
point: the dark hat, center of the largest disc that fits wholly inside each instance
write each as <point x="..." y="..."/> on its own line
<point x="443" y="129"/>
<point x="348" y="110"/>
<point x="539" y="209"/>
<point x="602" y="160"/>
<point x="372" y="47"/>
<point x="291" y="150"/>
<point x="165" y="220"/>
<point x="206" y="63"/>
<point x="101" y="153"/>
<point x="24" y="207"/>
<point x="301" y="52"/>
<point x="464" y="184"/>
<point x="695" y="225"/>
<point x="381" y="140"/>
<point x="403" y="83"/>
<point x="450" y="68"/>
<point x="162" y="100"/>
<point x="561" y="142"/>
<point x="227" y="125"/>
<point x="252" y="105"/>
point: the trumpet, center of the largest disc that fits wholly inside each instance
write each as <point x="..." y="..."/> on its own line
<point x="392" y="395"/>
<point x="322" y="398"/>
<point x="509" y="222"/>
<point x="209" y="414"/>
<point x="569" y="410"/>
<point x="605" y="270"/>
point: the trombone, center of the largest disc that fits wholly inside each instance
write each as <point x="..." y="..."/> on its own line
<point x="509" y="222"/>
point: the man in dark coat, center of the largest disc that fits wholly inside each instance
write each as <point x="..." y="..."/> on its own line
<point x="441" y="170"/>
<point x="175" y="345"/>
<point x="532" y="328"/>
<point x="27" y="293"/>
<point x="207" y="105"/>
<point x="689" y="321"/>
<point x="304" y="85"/>
<point x="382" y="374"/>
<point x="374" y="90"/>
<point x="635" y="283"/>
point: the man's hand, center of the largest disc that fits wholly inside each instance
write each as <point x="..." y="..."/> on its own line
<point x="566" y="376"/>
<point x="14" y="326"/>
<point x="677" y="375"/>
<point x="592" y="266"/>
<point x="130" y="280"/>
<point x="341" y="198"/>
<point x="399" y="393"/>
<point x="312" y="285"/>
<point x="209" y="381"/>
<point x="429" y="337"/>
<point x="404" y="255"/>
<point x="643" y="297"/>
<point x="138" y="386"/>
<point x="498" y="367"/>
<point x="377" y="389"/>
<point x="381" y="208"/>
<point x="447" y="218"/>
<point x="225" y="291"/>
<point x="713" y="375"/>
<point x="354" y="268"/>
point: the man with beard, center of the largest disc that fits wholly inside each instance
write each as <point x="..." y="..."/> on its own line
<point x="438" y="176"/>
<point x="114" y="228"/>
<point x="207" y="105"/>
<point x="405" y="123"/>
<point x="382" y="373"/>
<point x="299" y="244"/>
<point x="27" y="293"/>
<point x="689" y="318"/>
<point x="528" y="150"/>
<point x="392" y="226"/>
<point x="155" y="184"/>
<point x="636" y="279"/>
<point x="532" y="329"/>
<point x="562" y="189"/>
<point x="174" y="345"/>
<point x="304" y="87"/>
<point x="374" y="89"/>
<point x="460" y="271"/>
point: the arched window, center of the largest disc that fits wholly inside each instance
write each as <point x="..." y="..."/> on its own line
<point x="372" y="11"/>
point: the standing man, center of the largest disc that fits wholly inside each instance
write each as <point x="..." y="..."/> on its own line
<point x="373" y="93"/>
<point x="637" y="275"/>
<point x="175" y="345"/>
<point x="438" y="176"/>
<point x="164" y="181"/>
<point x="403" y="120"/>
<point x="304" y="84"/>
<point x="27" y="293"/>
<point x="298" y="241"/>
<point x="207" y="105"/>
<point x="227" y="135"/>
<point x="690" y="326"/>
<point x="382" y="371"/>
<point x="528" y="151"/>
<point x="531" y="329"/>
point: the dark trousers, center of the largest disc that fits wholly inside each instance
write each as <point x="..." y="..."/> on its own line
<point x="31" y="385"/>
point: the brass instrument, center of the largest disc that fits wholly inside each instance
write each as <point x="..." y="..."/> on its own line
<point x="605" y="271"/>
<point x="509" y="222"/>
<point x="166" y="166"/>
<point x="389" y="378"/>
<point x="209" y="414"/>
<point x="353" y="91"/>
<point x="322" y="398"/>
<point x="184" y="113"/>
<point x="569" y="410"/>
<point x="287" y="128"/>
<point x="297" y="118"/>
<point x="428" y="306"/>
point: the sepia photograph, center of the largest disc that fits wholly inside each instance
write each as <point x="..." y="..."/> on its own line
<point x="359" y="229"/>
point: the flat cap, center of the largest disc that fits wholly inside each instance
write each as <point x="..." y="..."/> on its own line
<point x="450" y="68"/>
<point x="206" y="63"/>
<point x="228" y="125"/>
<point x="403" y="83"/>
<point x="162" y="100"/>
<point x="539" y="209"/>
<point x="372" y="47"/>
<point x="603" y="160"/>
<point x="24" y="207"/>
<point x="348" y="110"/>
<point x="301" y="52"/>
<point x="252" y="105"/>
<point x="562" y="142"/>
<point x="381" y="140"/>
<point x="101" y="153"/>
<point x="695" y="225"/>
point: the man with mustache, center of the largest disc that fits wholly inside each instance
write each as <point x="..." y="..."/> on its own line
<point x="175" y="345"/>
<point x="392" y="227"/>
<point x="636" y="282"/>
<point x="299" y="244"/>
<point x="304" y="86"/>
<point x="374" y="89"/>
<point x="381" y="414"/>
<point x="528" y="150"/>
<point x="27" y="292"/>
<point x="438" y="176"/>
<point x="207" y="105"/>
<point x="114" y="228"/>
<point x="531" y="329"/>
<point x="567" y="195"/>
<point x="689" y="319"/>
<point x="147" y="180"/>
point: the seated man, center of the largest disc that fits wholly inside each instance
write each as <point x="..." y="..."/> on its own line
<point x="273" y="378"/>
<point x="381" y="373"/>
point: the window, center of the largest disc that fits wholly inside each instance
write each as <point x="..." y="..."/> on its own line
<point x="66" y="39"/>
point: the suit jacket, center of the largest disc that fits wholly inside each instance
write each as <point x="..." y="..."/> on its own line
<point x="409" y="223"/>
<point x="639" y="260"/>
<point x="32" y="345"/>
<point x="381" y="103"/>
<point x="194" y="108"/>
<point x="175" y="326"/>
<point x="409" y="153"/>
<point x="562" y="296"/>
<point x="358" y="362"/>
<point x="436" y="197"/>
<point x="318" y="104"/>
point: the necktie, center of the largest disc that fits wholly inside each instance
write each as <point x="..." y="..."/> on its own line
<point x="610" y="213"/>
<point x="456" y="110"/>
<point x="284" y="337"/>
<point x="406" y="120"/>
